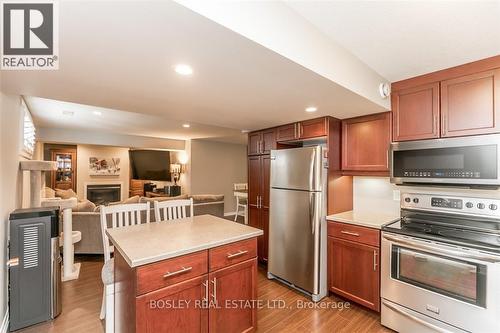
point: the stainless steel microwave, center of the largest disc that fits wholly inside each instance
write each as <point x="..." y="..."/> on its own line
<point x="464" y="161"/>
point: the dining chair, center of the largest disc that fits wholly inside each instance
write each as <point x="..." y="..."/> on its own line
<point x="172" y="209"/>
<point x="116" y="216"/>
<point x="240" y="192"/>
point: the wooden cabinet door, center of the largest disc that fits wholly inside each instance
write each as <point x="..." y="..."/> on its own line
<point x="268" y="140"/>
<point x="254" y="180"/>
<point x="177" y="308"/>
<point x="287" y="132"/>
<point x="416" y="113"/>
<point x="313" y="128"/>
<point x="254" y="142"/>
<point x="470" y="104"/>
<point x="263" y="246"/>
<point x="233" y="289"/>
<point x="353" y="270"/>
<point x="365" y="142"/>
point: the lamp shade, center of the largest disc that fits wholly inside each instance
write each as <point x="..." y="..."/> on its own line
<point x="175" y="168"/>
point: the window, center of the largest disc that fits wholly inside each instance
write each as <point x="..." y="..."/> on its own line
<point x="28" y="140"/>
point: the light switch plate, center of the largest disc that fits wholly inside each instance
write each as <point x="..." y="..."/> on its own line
<point x="396" y="195"/>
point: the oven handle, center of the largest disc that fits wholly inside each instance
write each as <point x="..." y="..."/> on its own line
<point x="416" y="319"/>
<point x="419" y="246"/>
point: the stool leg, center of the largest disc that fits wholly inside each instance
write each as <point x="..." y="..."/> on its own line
<point x="237" y="209"/>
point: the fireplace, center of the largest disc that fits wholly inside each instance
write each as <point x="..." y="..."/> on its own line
<point x="104" y="194"/>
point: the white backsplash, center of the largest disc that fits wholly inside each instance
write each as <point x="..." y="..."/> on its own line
<point x="376" y="194"/>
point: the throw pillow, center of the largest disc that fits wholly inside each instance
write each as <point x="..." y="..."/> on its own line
<point x="85" y="206"/>
<point x="65" y="194"/>
<point x="47" y="192"/>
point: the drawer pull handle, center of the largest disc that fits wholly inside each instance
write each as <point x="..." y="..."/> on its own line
<point x="355" y="234"/>
<point x="180" y="271"/>
<point x="236" y="255"/>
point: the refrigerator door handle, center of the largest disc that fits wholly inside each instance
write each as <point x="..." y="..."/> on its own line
<point x="312" y="207"/>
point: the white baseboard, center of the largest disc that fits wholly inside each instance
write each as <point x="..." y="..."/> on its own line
<point x="5" y="322"/>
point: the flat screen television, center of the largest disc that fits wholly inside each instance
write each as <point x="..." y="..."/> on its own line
<point x="150" y="164"/>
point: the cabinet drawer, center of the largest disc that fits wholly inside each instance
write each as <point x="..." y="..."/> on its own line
<point x="354" y="233"/>
<point x="171" y="271"/>
<point x="233" y="253"/>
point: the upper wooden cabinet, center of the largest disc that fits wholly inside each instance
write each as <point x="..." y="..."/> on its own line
<point x="287" y="132"/>
<point x="365" y="142"/>
<point x="469" y="104"/>
<point x="306" y="129"/>
<point x="313" y="128"/>
<point x="261" y="142"/>
<point x="416" y="113"/>
<point x="458" y="101"/>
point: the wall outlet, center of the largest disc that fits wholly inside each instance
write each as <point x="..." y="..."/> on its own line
<point x="396" y="195"/>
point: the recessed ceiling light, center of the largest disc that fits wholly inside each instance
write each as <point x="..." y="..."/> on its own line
<point x="68" y="113"/>
<point x="186" y="125"/>
<point x="183" y="69"/>
<point x="311" y="109"/>
<point x="97" y="113"/>
<point x="245" y="131"/>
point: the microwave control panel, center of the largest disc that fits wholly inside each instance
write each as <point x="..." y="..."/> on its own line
<point x="442" y="174"/>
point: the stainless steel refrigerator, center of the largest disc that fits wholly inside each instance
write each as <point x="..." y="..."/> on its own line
<point x="297" y="222"/>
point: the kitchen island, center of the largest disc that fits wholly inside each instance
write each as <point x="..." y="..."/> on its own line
<point x="189" y="275"/>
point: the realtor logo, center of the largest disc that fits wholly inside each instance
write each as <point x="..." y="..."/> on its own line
<point x="29" y="35"/>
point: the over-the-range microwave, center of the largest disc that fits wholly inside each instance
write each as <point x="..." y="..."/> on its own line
<point x="465" y="161"/>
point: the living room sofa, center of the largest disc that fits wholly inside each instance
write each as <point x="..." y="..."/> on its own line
<point x="89" y="224"/>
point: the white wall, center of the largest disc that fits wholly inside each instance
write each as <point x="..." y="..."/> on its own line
<point x="10" y="179"/>
<point x="375" y="194"/>
<point x="215" y="167"/>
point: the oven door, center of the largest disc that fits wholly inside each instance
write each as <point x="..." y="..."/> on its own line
<point x="461" y="161"/>
<point x="448" y="283"/>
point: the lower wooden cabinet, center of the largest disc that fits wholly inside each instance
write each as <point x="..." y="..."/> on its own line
<point x="176" y="308"/>
<point x="221" y="298"/>
<point x="234" y="289"/>
<point x="354" y="271"/>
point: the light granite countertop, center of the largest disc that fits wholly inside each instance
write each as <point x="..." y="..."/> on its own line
<point x="152" y="242"/>
<point x="364" y="219"/>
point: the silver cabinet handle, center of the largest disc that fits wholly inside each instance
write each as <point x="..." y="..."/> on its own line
<point x="214" y="295"/>
<point x="355" y="234"/>
<point x="375" y="260"/>
<point x="205" y="284"/>
<point x="237" y="254"/>
<point x="13" y="262"/>
<point x="180" y="271"/>
<point x="445" y="125"/>
<point x="436" y="128"/>
<point x="418" y="320"/>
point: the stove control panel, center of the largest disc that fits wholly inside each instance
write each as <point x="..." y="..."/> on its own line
<point x="445" y="203"/>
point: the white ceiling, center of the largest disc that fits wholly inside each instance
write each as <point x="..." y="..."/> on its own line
<point x="119" y="55"/>
<point x="402" y="39"/>
<point x="53" y="113"/>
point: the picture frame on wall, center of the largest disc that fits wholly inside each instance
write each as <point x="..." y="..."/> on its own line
<point x="104" y="166"/>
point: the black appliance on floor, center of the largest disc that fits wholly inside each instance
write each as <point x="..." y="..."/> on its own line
<point x="34" y="266"/>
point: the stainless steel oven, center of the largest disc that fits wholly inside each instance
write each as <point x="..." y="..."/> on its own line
<point x="440" y="266"/>
<point x="466" y="161"/>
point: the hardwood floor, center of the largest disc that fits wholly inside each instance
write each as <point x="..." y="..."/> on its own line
<point x="280" y="312"/>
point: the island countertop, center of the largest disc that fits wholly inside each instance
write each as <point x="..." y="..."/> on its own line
<point x="151" y="242"/>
